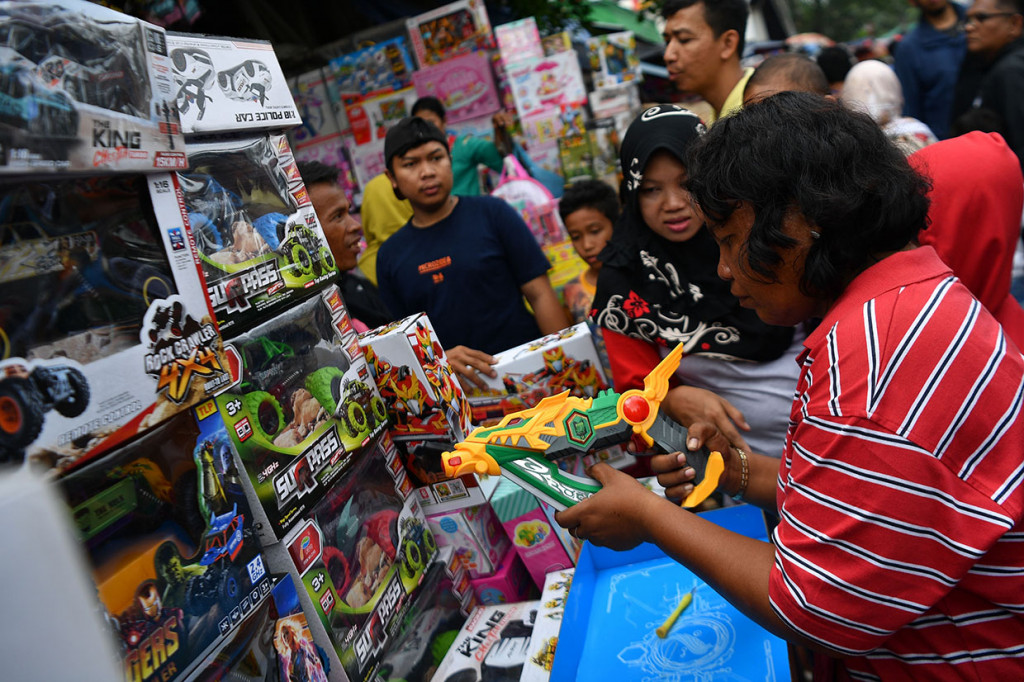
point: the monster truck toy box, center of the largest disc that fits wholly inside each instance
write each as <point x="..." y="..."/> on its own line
<point x="168" y="535"/>
<point x="84" y="89"/>
<point x="303" y="406"/>
<point x="526" y="374"/>
<point x="361" y="554"/>
<point x="259" y="243"/>
<point x="222" y="85"/>
<point x="420" y="390"/>
<point x="106" y="329"/>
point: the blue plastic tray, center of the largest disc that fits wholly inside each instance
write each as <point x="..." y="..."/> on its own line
<point x="618" y="600"/>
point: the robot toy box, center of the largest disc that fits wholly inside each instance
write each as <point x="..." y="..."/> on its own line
<point x="84" y="89"/>
<point x="420" y="390"/>
<point x="259" y="243"/>
<point x="169" y="537"/>
<point x="493" y="644"/>
<point x="302" y="407"/>
<point x="361" y="555"/>
<point x="565" y="361"/>
<point x="223" y="85"/>
<point x="273" y="643"/>
<point x="106" y="330"/>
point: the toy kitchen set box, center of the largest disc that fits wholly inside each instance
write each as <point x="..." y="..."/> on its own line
<point x="106" y="329"/>
<point x="360" y="555"/>
<point x="259" y="242"/>
<point x="85" y="89"/>
<point x="223" y="84"/>
<point x="168" y="537"/>
<point x="302" y="408"/>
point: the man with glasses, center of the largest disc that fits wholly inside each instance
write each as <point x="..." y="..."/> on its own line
<point x="992" y="75"/>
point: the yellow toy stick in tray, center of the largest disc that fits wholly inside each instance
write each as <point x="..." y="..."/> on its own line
<point x="525" y="445"/>
<point x="662" y="631"/>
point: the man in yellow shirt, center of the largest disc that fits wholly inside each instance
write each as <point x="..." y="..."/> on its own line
<point x="381" y="214"/>
<point x="703" y="46"/>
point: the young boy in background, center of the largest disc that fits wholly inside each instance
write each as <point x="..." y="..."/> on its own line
<point x="589" y="209"/>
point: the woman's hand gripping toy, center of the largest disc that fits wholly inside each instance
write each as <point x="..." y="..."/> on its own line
<point x="525" y="446"/>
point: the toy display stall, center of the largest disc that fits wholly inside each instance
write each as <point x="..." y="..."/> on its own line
<point x="259" y="243"/>
<point x="85" y="89"/>
<point x="493" y="644"/>
<point x="169" y="536"/>
<point x="531" y="531"/>
<point x="564" y="361"/>
<point x="361" y="554"/>
<point x="301" y="409"/>
<point x="428" y="627"/>
<point x="450" y="30"/>
<point x="544" y="640"/>
<point x="474" y="534"/>
<point x="620" y="599"/>
<point x="106" y="330"/>
<point x="224" y="85"/>
<point x="273" y="642"/>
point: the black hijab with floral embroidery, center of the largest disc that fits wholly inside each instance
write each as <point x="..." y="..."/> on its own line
<point x="667" y="292"/>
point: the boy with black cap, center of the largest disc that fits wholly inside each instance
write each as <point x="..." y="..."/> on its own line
<point x="467" y="262"/>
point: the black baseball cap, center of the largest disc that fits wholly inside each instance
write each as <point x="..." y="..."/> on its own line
<point x="410" y="132"/>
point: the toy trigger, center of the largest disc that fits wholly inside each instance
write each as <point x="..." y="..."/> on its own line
<point x="712" y="472"/>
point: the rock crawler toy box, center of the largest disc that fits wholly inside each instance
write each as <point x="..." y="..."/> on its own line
<point x="259" y="243"/>
<point x="546" y="366"/>
<point x="84" y="89"/>
<point x="303" y="406"/>
<point x="106" y="330"/>
<point x="169" y="537"/>
<point x="222" y="84"/>
<point x="361" y="555"/>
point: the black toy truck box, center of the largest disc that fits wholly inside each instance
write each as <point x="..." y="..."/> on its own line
<point x="106" y="328"/>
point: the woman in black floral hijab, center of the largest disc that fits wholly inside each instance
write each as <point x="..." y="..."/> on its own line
<point x="659" y="287"/>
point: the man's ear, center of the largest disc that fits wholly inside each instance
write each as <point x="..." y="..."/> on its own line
<point x="394" y="185"/>
<point x="729" y="43"/>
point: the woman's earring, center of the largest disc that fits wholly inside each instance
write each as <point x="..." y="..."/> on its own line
<point x="815" y="234"/>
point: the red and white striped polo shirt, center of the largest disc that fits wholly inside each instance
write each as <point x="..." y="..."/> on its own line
<point x="901" y="540"/>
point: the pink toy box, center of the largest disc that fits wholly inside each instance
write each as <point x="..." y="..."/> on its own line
<point x="476" y="536"/>
<point x="530" y="531"/>
<point x="510" y="582"/>
<point x="464" y="84"/>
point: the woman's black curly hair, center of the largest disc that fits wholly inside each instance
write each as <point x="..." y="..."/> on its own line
<point x="798" y="153"/>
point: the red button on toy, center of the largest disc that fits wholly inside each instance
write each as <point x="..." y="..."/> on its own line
<point x="636" y="409"/>
<point x="454" y="461"/>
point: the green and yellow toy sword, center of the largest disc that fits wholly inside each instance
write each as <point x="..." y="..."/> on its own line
<point x="525" y="446"/>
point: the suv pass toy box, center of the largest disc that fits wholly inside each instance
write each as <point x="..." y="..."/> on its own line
<point x="302" y="408"/>
<point x="84" y="88"/>
<point x="169" y="537"/>
<point x="259" y="243"/>
<point x="105" y="329"/>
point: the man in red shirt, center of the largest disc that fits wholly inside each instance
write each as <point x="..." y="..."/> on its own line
<point x="898" y="552"/>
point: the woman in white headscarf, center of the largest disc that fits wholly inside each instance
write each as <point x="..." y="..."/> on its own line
<point x="872" y="87"/>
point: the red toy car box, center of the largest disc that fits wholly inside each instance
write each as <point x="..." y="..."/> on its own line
<point x="169" y="536"/>
<point x="105" y="330"/>
<point x="301" y="409"/>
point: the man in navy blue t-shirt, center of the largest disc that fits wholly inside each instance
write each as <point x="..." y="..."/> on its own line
<point x="467" y="262"/>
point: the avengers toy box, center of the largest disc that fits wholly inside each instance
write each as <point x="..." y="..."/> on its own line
<point x="274" y="642"/>
<point x="361" y="555"/>
<point x="544" y="639"/>
<point x="546" y="366"/>
<point x="303" y="406"/>
<point x="493" y="644"/>
<point x="427" y="628"/>
<point x="84" y="88"/>
<point x="169" y="536"/>
<point x="259" y="243"/>
<point x="420" y="390"/>
<point x="475" y="534"/>
<point x="106" y="330"/>
<point x="222" y="84"/>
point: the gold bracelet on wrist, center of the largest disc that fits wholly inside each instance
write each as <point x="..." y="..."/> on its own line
<point x="744" y="475"/>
